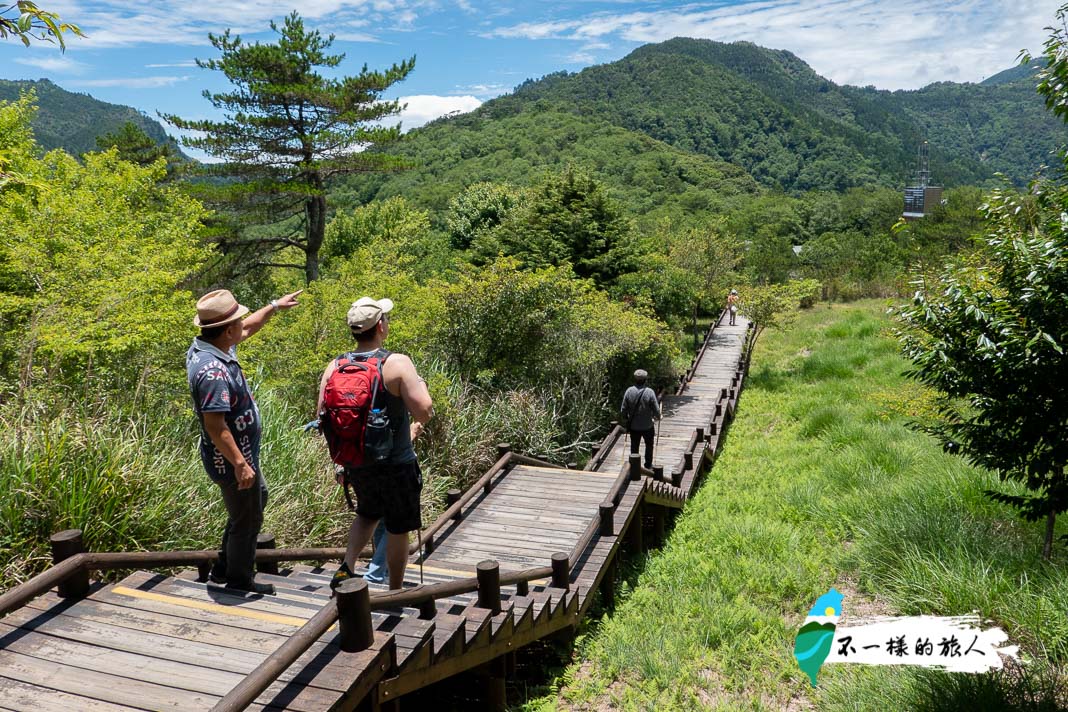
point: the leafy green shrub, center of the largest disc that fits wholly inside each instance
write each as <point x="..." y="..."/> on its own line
<point x="94" y="257"/>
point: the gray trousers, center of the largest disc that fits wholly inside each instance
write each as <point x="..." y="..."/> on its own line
<point x="244" y="519"/>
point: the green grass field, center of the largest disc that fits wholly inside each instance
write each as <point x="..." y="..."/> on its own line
<point x="822" y="482"/>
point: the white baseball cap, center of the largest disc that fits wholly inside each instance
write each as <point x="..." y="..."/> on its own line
<point x="365" y="312"/>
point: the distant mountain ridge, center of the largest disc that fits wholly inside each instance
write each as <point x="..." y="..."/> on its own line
<point x="764" y="111"/>
<point x="73" y="121"/>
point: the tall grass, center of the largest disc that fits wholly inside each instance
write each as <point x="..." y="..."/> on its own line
<point x="822" y="482"/>
<point x="137" y="484"/>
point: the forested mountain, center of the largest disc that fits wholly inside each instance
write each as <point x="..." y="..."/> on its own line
<point x="647" y="176"/>
<point x="73" y="121"/>
<point x="709" y="104"/>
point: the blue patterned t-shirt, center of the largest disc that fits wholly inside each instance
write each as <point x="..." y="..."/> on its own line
<point x="218" y="385"/>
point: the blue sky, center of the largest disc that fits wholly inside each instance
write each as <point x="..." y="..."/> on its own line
<point x="141" y="53"/>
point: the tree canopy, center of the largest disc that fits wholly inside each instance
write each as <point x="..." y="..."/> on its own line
<point x="288" y="130"/>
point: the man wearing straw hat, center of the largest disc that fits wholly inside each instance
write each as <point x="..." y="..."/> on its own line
<point x="388" y="490"/>
<point x="230" y="428"/>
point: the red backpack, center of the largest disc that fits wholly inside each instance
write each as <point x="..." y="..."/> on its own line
<point x="353" y="417"/>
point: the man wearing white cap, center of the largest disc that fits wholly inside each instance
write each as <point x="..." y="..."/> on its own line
<point x="230" y="428"/>
<point x="387" y="490"/>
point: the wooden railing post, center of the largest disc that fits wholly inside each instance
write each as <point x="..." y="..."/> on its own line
<point x="634" y="534"/>
<point x="428" y="545"/>
<point x="356" y="632"/>
<point x="488" y="573"/>
<point x="495" y="689"/>
<point x="66" y="544"/>
<point x="658" y="473"/>
<point x="635" y="467"/>
<point x="522" y="588"/>
<point x="608" y="587"/>
<point x="428" y="609"/>
<point x="658" y="525"/>
<point x="608" y="514"/>
<point x="676" y="477"/>
<point x="451" y="498"/>
<point x="503" y="449"/>
<point x="266" y="541"/>
<point x="561" y="571"/>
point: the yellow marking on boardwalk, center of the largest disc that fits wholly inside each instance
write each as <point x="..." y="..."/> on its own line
<point x="213" y="607"/>
<point x="466" y="574"/>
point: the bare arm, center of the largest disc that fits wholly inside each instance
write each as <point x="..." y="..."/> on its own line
<point x="255" y="321"/>
<point x="223" y="439"/>
<point x="330" y="367"/>
<point x="412" y="389"/>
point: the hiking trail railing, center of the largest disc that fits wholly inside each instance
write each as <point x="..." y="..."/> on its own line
<point x="351" y="609"/>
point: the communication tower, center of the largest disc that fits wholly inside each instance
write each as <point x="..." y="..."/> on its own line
<point x="921" y="198"/>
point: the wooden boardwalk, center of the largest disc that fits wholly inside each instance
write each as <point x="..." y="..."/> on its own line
<point x="156" y="642"/>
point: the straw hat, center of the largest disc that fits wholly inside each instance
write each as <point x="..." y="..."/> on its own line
<point x="217" y="309"/>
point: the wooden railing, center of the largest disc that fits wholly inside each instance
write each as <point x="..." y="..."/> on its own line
<point x="353" y="606"/>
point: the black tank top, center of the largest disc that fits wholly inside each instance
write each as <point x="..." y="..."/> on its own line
<point x="399" y="419"/>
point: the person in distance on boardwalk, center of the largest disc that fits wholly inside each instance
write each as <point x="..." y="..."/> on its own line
<point x="388" y="489"/>
<point x="732" y="305"/>
<point x="230" y="428"/>
<point x="639" y="410"/>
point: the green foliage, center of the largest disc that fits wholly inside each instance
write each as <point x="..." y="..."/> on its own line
<point x="74" y="307"/>
<point x="775" y="305"/>
<point x="390" y="220"/>
<point x="25" y="21"/>
<point x="481" y="207"/>
<point x="508" y="141"/>
<point x="136" y="146"/>
<point x="294" y="351"/>
<point x="288" y="130"/>
<point x="990" y="335"/>
<point x="659" y="286"/>
<point x="17" y="145"/>
<point x="548" y="331"/>
<point x="567" y="218"/>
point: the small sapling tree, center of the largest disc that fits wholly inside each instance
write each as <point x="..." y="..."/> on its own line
<point x="990" y="334"/>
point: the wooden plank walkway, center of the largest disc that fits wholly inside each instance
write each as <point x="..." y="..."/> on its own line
<point x="155" y="642"/>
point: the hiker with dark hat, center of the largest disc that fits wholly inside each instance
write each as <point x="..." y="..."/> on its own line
<point x="639" y="410"/>
<point x="230" y="428"/>
<point x="381" y="467"/>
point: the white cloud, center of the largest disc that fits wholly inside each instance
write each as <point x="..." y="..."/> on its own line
<point x="119" y="23"/>
<point x="482" y="91"/>
<point x="580" y="58"/>
<point x="54" y="64"/>
<point x="904" y="44"/>
<point x="423" y="108"/>
<point x="130" y="82"/>
<point x="181" y="65"/>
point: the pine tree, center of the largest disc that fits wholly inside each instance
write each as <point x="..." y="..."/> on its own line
<point x="287" y="131"/>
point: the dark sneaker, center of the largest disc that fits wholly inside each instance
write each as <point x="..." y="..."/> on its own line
<point x="217" y="574"/>
<point x="343" y="574"/>
<point x="264" y="589"/>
